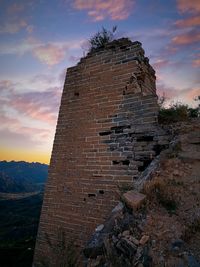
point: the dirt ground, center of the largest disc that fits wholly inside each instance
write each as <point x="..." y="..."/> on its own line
<point x="173" y="205"/>
<point x="165" y="230"/>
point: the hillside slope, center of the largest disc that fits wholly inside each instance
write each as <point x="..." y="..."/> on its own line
<point x="19" y="177"/>
<point x="18" y="229"/>
<point x="164" y="231"/>
<point x="21" y="194"/>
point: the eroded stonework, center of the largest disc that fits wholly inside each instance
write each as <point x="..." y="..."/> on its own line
<point x="107" y="134"/>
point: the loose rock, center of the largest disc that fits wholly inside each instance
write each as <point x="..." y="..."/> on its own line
<point x="144" y="240"/>
<point x="134" y="199"/>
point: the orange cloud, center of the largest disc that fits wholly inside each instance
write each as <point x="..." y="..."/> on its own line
<point x="189" y="22"/>
<point x="27" y="120"/>
<point x="101" y="9"/>
<point x="17" y="135"/>
<point x="192" y="6"/>
<point x="175" y="94"/>
<point x="25" y="153"/>
<point x="187" y="38"/>
<point x="49" y="54"/>
<point x="190" y="94"/>
<point x="16" y="145"/>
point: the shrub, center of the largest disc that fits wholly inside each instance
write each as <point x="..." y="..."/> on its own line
<point x="176" y="112"/>
<point x="101" y="38"/>
<point x="193" y="112"/>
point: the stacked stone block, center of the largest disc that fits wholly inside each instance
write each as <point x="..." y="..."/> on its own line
<point x="106" y="135"/>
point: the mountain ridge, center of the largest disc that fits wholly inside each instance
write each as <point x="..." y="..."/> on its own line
<point x="22" y="176"/>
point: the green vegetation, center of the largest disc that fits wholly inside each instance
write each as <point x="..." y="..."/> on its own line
<point x="176" y="112"/>
<point x="101" y="38"/>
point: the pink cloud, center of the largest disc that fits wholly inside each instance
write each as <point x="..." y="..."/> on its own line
<point x="19" y="110"/>
<point x="43" y="78"/>
<point x="62" y="76"/>
<point x="24" y="136"/>
<point x="189" y="22"/>
<point x="13" y="26"/>
<point x="49" y="54"/>
<point x="15" y="8"/>
<point x="185" y="96"/>
<point x="74" y="59"/>
<point x="192" y="6"/>
<point x="6" y="89"/>
<point x="160" y="63"/>
<point x="196" y="62"/>
<point x="15" y="20"/>
<point x="188" y="38"/>
<point x="6" y="121"/>
<point x="190" y="94"/>
<point x="168" y="92"/>
<point x="42" y="133"/>
<point x="9" y="138"/>
<point x="30" y="29"/>
<point x="7" y="84"/>
<point x="101" y="9"/>
<point x="13" y="132"/>
<point x="42" y="106"/>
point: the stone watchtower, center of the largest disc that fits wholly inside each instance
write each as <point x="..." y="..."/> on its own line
<point x="106" y="136"/>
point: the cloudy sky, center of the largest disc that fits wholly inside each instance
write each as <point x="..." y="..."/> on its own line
<point x="39" y="39"/>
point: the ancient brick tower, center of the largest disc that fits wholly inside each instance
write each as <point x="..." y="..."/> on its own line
<point x="106" y="136"/>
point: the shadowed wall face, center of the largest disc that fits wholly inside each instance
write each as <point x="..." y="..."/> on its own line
<point x="106" y="136"/>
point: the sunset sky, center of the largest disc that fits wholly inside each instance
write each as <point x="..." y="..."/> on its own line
<point x="40" y="39"/>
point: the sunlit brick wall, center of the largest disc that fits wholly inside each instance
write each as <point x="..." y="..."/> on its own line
<point x="106" y="136"/>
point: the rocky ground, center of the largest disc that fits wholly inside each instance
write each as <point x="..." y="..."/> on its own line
<point x="157" y="223"/>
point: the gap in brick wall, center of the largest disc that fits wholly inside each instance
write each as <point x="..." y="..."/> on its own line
<point x="158" y="148"/>
<point x="91" y="195"/>
<point x="105" y="133"/>
<point x="144" y="166"/>
<point x="125" y="162"/>
<point x="145" y="138"/>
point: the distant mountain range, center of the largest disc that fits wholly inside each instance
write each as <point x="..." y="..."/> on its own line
<point x="22" y="177"/>
<point x="21" y="194"/>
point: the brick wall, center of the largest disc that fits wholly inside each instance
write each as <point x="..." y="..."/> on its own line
<point x="106" y="135"/>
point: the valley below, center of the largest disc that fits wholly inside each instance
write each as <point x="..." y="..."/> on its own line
<point x="18" y="228"/>
<point x="20" y="210"/>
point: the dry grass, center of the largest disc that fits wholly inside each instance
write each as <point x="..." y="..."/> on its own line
<point x="157" y="189"/>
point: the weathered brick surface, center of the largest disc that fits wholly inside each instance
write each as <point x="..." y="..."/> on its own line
<point x="106" y="135"/>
